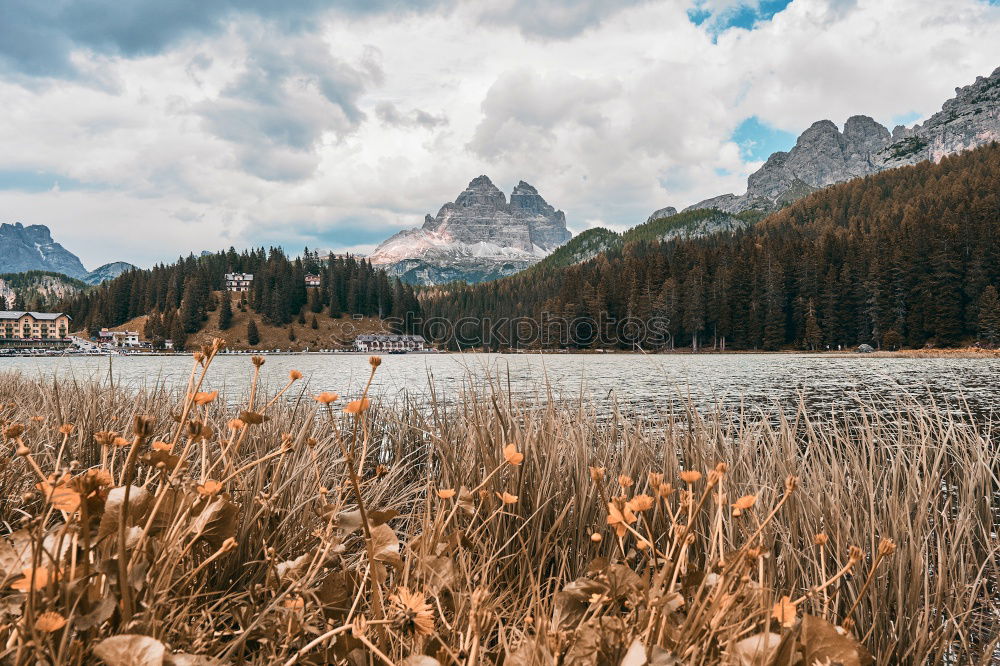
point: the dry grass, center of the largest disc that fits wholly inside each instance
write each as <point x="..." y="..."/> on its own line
<point x="293" y="530"/>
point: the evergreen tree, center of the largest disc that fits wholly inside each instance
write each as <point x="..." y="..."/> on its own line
<point x="226" y="311"/>
<point x="989" y="315"/>
<point x="813" y="334"/>
<point x="314" y="324"/>
<point x="253" y="335"/>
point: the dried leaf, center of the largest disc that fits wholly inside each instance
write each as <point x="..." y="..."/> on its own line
<point x="466" y="501"/>
<point x="757" y="649"/>
<point x="385" y="546"/>
<point x="825" y="643"/>
<point x="216" y="522"/>
<point x="376" y="518"/>
<point x="349" y="521"/>
<point x="420" y="660"/>
<point x="130" y="650"/>
<point x="290" y="570"/>
<point x="636" y="655"/>
<point x="97" y="616"/>
<point x="139" y="504"/>
<point x="532" y="652"/>
<point x="185" y="659"/>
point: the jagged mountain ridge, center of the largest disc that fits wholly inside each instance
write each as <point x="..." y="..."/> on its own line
<point x="478" y="237"/>
<point x="31" y="248"/>
<point x="823" y="155"/>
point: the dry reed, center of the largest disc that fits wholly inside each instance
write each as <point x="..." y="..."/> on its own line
<point x="486" y="531"/>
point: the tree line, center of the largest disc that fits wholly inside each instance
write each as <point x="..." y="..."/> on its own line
<point x="178" y="297"/>
<point x="905" y="258"/>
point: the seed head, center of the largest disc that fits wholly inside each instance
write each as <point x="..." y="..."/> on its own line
<point x="257" y="360"/>
<point x="374" y="361"/>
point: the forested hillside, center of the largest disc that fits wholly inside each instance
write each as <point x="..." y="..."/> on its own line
<point x="908" y="257"/>
<point x="179" y="296"/>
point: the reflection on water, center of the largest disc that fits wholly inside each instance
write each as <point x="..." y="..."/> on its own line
<point x="646" y="383"/>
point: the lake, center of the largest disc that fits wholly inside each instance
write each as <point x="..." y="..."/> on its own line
<point x="644" y="383"/>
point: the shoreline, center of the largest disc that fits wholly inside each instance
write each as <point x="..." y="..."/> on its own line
<point x="967" y="352"/>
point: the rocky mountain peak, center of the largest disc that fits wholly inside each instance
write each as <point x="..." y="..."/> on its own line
<point x="823" y="155"/>
<point x="479" y="236"/>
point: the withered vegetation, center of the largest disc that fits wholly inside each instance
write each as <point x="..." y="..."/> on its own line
<point x="303" y="527"/>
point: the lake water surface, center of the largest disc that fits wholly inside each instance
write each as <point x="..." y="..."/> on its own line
<point x="646" y="383"/>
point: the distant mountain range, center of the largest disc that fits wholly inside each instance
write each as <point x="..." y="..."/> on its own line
<point x="478" y="237"/>
<point x="482" y="237"/>
<point x="31" y="248"/>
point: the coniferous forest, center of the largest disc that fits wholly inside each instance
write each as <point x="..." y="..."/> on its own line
<point x="178" y="296"/>
<point x="906" y="258"/>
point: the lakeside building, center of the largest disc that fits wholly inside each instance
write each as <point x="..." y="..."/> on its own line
<point x="119" y="338"/>
<point x="20" y="329"/>
<point x="389" y="343"/>
<point x="312" y="281"/>
<point x="239" y="282"/>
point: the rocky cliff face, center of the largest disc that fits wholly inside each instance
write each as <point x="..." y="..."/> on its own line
<point x="662" y="212"/>
<point x="31" y="248"/>
<point x="823" y="155"/>
<point x="478" y="237"/>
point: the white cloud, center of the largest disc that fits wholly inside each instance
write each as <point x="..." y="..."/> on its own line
<point x="341" y="132"/>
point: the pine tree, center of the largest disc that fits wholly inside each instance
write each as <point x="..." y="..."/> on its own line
<point x="253" y="335"/>
<point x="989" y="315"/>
<point x="291" y="334"/>
<point x="226" y="311"/>
<point x="813" y="334"/>
<point x="314" y="324"/>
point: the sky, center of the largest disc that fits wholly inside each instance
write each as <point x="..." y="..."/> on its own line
<point x="145" y="130"/>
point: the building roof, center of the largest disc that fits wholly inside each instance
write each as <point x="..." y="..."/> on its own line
<point x="40" y="316"/>
<point x="239" y="276"/>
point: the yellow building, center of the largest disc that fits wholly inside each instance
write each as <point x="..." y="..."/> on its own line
<point x="17" y="325"/>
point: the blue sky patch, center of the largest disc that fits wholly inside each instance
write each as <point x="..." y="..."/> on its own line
<point x="745" y="15"/>
<point x="40" y="181"/>
<point x="907" y="118"/>
<point x="758" y="140"/>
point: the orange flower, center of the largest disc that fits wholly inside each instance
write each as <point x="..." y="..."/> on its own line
<point x="294" y="375"/>
<point x="120" y="441"/>
<point x="625" y="481"/>
<point x="162" y="446"/>
<point x="66" y="428"/>
<point x="507" y="498"/>
<point x="37" y="419"/>
<point x="326" y="397"/>
<point x="356" y="407"/>
<point x="414" y="613"/>
<point x="33" y="579"/>
<point x="619" y="516"/>
<point x="596" y="474"/>
<point x="209" y="488"/>
<point x="204" y="398"/>
<point x="49" y="622"/>
<point x="446" y="493"/>
<point x="690" y="476"/>
<point x="743" y="503"/>
<point x="640" y="503"/>
<point x="784" y="612"/>
<point x="236" y="424"/>
<point x="820" y="539"/>
<point x="511" y="455"/>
